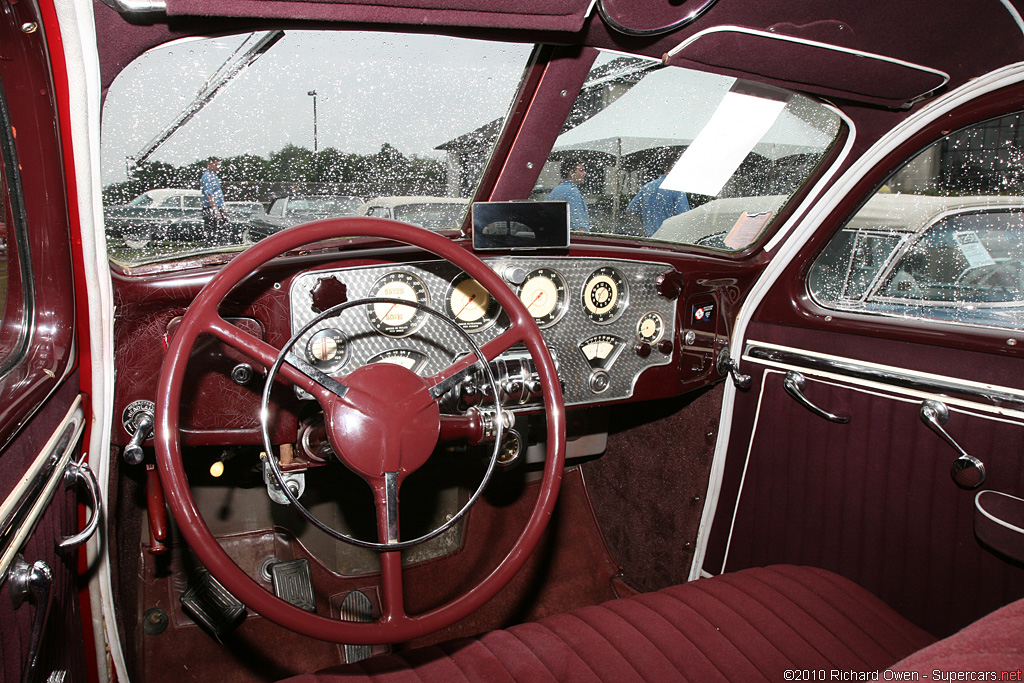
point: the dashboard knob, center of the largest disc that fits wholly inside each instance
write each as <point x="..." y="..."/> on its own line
<point x="669" y="284"/>
<point x="514" y="275"/>
<point x="665" y="346"/>
<point x="643" y="349"/>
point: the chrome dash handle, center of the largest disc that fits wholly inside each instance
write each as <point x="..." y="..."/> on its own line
<point x="795" y="384"/>
<point x="32" y="582"/>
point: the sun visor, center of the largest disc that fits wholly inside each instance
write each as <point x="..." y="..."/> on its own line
<point x="810" y="66"/>
<point x="549" y="15"/>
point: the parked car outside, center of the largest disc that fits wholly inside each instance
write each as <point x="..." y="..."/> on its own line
<point x="433" y="213"/>
<point x="288" y="211"/>
<point x="136" y="222"/>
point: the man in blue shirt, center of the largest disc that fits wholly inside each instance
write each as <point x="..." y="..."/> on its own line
<point x="653" y="205"/>
<point x="572" y="172"/>
<point x="214" y="215"/>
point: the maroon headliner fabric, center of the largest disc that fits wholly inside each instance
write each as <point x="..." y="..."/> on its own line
<point x="748" y="626"/>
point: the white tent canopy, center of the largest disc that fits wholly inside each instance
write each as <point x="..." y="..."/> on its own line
<point x="670" y="106"/>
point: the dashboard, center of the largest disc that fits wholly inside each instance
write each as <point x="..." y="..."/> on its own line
<point x="604" y="321"/>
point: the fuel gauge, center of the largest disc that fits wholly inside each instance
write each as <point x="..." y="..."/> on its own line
<point x="327" y="349"/>
<point x="601" y="350"/>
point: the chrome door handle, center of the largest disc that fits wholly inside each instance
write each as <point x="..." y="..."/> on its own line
<point x="967" y="471"/>
<point x="81" y="473"/>
<point x="795" y="385"/>
<point x="33" y="582"/>
<point x="727" y="365"/>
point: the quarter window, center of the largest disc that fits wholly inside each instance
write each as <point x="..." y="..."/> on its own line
<point x="942" y="239"/>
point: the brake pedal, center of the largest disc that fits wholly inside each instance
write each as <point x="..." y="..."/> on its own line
<point x="293" y="581"/>
<point x="210" y="605"/>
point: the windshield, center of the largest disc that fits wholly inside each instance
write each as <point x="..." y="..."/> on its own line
<point x="265" y="118"/>
<point x="672" y="154"/>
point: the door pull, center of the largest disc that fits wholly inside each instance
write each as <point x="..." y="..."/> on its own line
<point x="795" y="385"/>
<point x="967" y="471"/>
<point x="33" y="582"/>
<point x="81" y="474"/>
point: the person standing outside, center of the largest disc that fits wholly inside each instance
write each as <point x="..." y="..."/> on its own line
<point x="214" y="215"/>
<point x="652" y="205"/>
<point x="572" y="173"/>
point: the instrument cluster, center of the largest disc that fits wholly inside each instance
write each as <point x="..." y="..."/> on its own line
<point x="604" y="321"/>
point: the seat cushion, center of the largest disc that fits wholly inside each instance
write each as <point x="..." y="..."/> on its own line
<point x="751" y="625"/>
<point x="993" y="643"/>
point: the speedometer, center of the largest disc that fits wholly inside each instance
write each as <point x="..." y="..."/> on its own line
<point x="391" y="318"/>
<point x="544" y="295"/>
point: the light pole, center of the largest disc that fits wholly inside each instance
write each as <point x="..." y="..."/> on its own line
<point x="312" y="93"/>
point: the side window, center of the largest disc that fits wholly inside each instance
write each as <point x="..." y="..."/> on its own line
<point x="193" y="201"/>
<point x="943" y="238"/>
<point x="13" y="242"/>
<point x="277" y="209"/>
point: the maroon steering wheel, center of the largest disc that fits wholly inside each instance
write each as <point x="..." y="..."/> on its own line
<point x="360" y="431"/>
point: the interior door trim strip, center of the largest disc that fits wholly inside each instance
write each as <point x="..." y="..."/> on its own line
<point x="20" y="511"/>
<point x="887" y="375"/>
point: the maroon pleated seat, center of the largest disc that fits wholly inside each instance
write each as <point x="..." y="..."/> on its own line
<point x="752" y="625"/>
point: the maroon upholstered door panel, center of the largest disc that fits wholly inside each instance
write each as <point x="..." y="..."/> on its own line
<point x="874" y="500"/>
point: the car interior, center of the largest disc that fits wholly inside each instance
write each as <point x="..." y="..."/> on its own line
<point x="685" y="350"/>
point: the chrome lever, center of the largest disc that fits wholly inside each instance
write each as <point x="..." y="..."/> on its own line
<point x="143" y="423"/>
<point x="967" y="471"/>
<point x="34" y="582"/>
<point x="81" y="473"/>
<point x="728" y="365"/>
<point x="795" y="385"/>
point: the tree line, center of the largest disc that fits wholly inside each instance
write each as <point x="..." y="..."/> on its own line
<point x="248" y="176"/>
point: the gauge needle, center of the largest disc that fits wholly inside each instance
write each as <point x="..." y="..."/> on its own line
<point x="385" y="316"/>
<point x="537" y="298"/>
<point x="468" y="302"/>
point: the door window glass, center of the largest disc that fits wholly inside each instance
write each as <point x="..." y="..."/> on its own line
<point x="13" y="243"/>
<point x="942" y="239"/>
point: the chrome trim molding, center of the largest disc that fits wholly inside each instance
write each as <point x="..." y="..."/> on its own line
<point x="999" y="397"/>
<point x="814" y="43"/>
<point x="21" y="510"/>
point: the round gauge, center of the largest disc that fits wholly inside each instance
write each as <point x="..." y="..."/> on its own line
<point x="650" y="328"/>
<point x="604" y="295"/>
<point x="396" y="320"/>
<point x="472" y="306"/>
<point x="407" y="358"/>
<point x="543" y="293"/>
<point x="327" y="349"/>
<point x="601" y="350"/>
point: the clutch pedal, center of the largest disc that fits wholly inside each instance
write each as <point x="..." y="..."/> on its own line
<point x="210" y="605"/>
<point x="293" y="581"/>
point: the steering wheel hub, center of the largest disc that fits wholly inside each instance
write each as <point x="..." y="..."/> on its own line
<point x="387" y="422"/>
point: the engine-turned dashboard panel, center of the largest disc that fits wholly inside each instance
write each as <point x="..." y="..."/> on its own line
<point x="603" y="319"/>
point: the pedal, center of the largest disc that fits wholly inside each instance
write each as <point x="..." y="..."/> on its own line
<point x="293" y="581"/>
<point x="356" y="607"/>
<point x="210" y="605"/>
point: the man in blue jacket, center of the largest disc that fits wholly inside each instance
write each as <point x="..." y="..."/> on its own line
<point x="572" y="173"/>
<point x="214" y="215"/>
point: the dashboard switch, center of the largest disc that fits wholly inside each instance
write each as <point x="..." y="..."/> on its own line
<point x="643" y="349"/>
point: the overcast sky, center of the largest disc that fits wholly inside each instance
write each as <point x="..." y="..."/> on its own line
<point x="414" y="92"/>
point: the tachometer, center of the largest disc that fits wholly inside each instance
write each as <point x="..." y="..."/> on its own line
<point x="396" y="320"/>
<point x="604" y="295"/>
<point x="544" y="294"/>
<point x="472" y="306"/>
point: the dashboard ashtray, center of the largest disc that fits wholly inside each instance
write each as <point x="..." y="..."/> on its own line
<point x="999" y="523"/>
